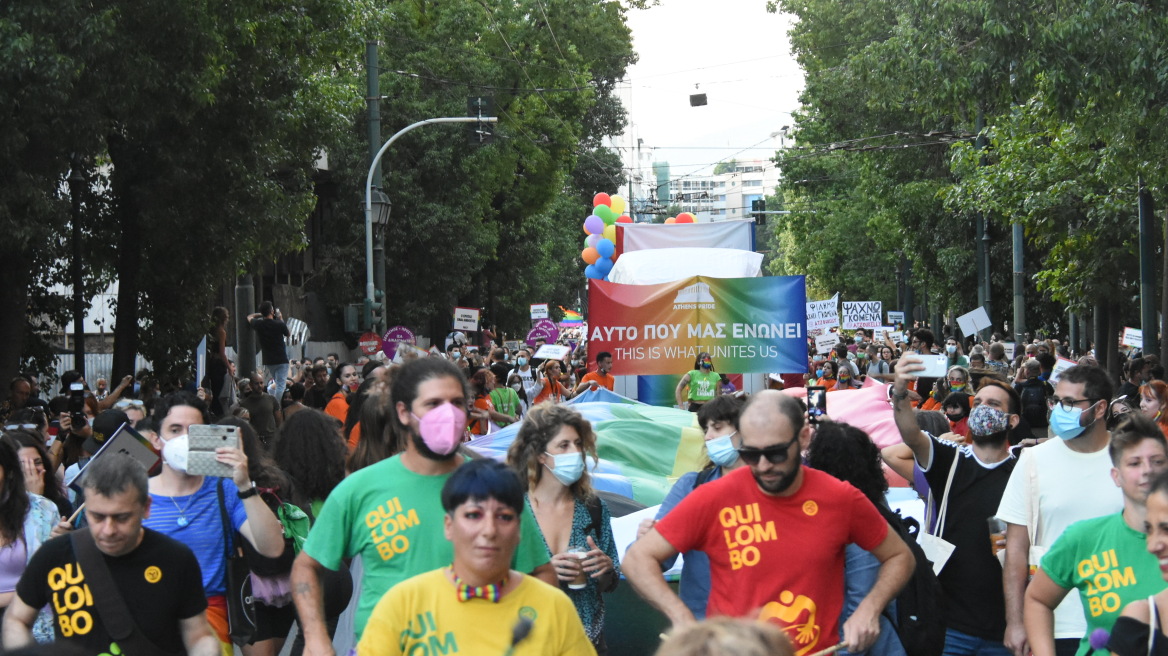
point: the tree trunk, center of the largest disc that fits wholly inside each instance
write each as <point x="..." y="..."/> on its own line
<point x="129" y="266"/>
<point x="1111" y="342"/>
<point x="15" y="278"/>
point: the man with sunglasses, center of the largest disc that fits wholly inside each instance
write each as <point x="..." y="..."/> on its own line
<point x="1054" y="485"/>
<point x="775" y="532"/>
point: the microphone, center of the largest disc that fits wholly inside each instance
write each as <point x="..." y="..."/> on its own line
<point x="1098" y="640"/>
<point x="520" y="631"/>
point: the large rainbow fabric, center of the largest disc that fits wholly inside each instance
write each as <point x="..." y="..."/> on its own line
<point x="643" y="449"/>
<point x="571" y="318"/>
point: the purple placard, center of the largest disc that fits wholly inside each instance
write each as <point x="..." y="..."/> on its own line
<point x="393" y="337"/>
<point x="549" y="336"/>
<point x="546" y="324"/>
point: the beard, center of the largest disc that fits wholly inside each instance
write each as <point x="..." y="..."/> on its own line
<point x="779" y="486"/>
<point x="993" y="439"/>
<point x="429" y="453"/>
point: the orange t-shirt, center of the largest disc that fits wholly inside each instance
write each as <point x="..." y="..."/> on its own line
<point x="338" y="407"/>
<point x="479" y="427"/>
<point x="608" y="381"/>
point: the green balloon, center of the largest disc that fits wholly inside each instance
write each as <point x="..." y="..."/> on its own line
<point x="605" y="212"/>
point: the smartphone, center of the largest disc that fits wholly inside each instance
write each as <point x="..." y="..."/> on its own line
<point x="936" y="366"/>
<point x="203" y="440"/>
<point x="816" y="403"/>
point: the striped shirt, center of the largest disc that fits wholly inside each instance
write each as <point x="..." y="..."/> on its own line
<point x="203" y="531"/>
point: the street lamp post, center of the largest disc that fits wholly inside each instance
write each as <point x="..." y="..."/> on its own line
<point x="383" y="212"/>
<point x="76" y="185"/>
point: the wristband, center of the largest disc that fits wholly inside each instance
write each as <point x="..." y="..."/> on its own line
<point x="897" y="396"/>
<point x="249" y="492"/>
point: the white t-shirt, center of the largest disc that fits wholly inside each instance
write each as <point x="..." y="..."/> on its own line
<point x="1072" y="486"/>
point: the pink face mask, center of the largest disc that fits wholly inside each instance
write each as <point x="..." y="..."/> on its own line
<point x="442" y="428"/>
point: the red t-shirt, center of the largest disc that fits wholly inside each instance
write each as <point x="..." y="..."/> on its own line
<point x="777" y="558"/>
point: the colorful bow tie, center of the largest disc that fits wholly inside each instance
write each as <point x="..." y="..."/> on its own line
<point x="491" y="591"/>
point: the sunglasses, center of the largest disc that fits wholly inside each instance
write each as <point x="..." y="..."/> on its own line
<point x="777" y="454"/>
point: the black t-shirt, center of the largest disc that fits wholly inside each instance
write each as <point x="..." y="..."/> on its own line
<point x="160" y="582"/>
<point x="315" y="398"/>
<point x="262" y="408"/>
<point x="272" y="333"/>
<point x="972" y="579"/>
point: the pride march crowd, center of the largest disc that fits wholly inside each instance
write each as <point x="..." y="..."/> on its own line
<point x="330" y="504"/>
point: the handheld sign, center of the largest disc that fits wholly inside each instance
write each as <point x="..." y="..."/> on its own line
<point x="127" y="441"/>
<point x="552" y="352"/>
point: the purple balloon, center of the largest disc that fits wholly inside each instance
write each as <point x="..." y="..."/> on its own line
<point x="594" y="225"/>
<point x="592" y="240"/>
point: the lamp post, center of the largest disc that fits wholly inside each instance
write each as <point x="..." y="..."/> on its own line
<point x="76" y="185"/>
<point x="370" y="286"/>
<point x="381" y="212"/>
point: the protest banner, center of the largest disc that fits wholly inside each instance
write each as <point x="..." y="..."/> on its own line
<point x="823" y="314"/>
<point x="972" y="323"/>
<point x="539" y="311"/>
<point x="395" y="336"/>
<point x="748" y="325"/>
<point x="466" y="319"/>
<point x="862" y="314"/>
<point x="824" y="342"/>
<point x="1133" y="337"/>
<point x="896" y="318"/>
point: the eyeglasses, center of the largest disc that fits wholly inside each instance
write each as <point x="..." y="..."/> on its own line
<point x="1068" y="403"/>
<point x="777" y="454"/>
<point x="129" y="403"/>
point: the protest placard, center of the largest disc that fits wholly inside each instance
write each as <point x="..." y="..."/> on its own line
<point x="972" y="323"/>
<point x="823" y="314"/>
<point x="1133" y="337"/>
<point x="862" y="314"/>
<point x="466" y="319"/>
<point x="824" y="342"/>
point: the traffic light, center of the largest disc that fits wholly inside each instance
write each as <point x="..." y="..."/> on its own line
<point x="479" y="133"/>
<point x="758" y="211"/>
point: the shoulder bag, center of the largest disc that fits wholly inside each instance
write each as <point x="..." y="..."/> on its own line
<point x="108" y="601"/>
<point x="937" y="549"/>
<point x="241" y="613"/>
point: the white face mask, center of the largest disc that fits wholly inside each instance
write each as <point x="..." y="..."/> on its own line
<point x="517" y="387"/>
<point x="175" y="452"/>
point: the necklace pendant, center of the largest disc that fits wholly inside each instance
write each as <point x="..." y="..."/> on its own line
<point x="182" y="521"/>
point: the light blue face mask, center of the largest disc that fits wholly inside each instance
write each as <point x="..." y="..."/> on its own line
<point x="1065" y="423"/>
<point x="569" y="467"/>
<point x="520" y="361"/>
<point x="722" y="451"/>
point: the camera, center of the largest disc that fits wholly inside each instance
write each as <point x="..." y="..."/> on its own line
<point x="77" y="406"/>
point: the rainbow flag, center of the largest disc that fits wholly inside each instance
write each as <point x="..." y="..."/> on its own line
<point x="571" y="318"/>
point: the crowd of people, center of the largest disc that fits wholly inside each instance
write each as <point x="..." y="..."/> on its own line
<point x="1045" y="490"/>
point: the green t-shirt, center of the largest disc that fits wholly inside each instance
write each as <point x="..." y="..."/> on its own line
<point x="506" y="401"/>
<point x="393" y="518"/>
<point x="703" y="386"/>
<point x="1108" y="563"/>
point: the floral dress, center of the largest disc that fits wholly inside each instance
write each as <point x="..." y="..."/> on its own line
<point x="589" y="601"/>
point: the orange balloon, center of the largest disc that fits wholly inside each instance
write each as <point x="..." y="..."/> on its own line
<point x="601" y="199"/>
<point x="623" y="219"/>
<point x="590" y="255"/>
<point x="685" y="217"/>
<point x="671" y="220"/>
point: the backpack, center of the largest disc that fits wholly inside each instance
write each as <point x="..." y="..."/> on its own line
<point x="1034" y="406"/>
<point x="920" y="612"/>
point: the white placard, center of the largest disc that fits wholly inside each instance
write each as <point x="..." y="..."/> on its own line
<point x="1059" y="367"/>
<point x="539" y="311"/>
<point x="552" y="352"/>
<point x="823" y="314"/>
<point x="1010" y="347"/>
<point x="1133" y="337"/>
<point x="823" y="343"/>
<point x="972" y="323"/>
<point x="863" y="314"/>
<point x="896" y="337"/>
<point x="466" y="319"/>
<point x="895" y="317"/>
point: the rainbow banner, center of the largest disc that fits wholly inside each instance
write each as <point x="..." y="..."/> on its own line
<point x="748" y="325"/>
<point x="571" y="318"/>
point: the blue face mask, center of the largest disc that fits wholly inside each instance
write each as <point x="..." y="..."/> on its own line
<point x="520" y="361"/>
<point x="722" y="451"/>
<point x="1065" y="423"/>
<point x="569" y="467"/>
<point x="819" y="373"/>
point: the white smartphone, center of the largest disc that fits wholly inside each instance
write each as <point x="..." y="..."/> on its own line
<point x="204" y="439"/>
<point x="936" y="366"/>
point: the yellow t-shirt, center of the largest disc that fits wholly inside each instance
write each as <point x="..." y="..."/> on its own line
<point x="424" y="610"/>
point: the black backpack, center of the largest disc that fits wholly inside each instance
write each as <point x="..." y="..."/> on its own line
<point x="1034" y="406"/>
<point x="920" y="606"/>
